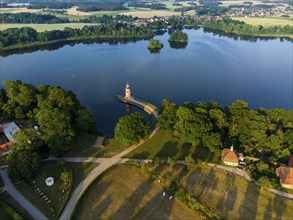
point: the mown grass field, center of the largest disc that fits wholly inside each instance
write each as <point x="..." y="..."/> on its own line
<point x="164" y="145"/>
<point x="268" y="21"/>
<point x="44" y="27"/>
<point x="236" y="197"/>
<point x="126" y="192"/>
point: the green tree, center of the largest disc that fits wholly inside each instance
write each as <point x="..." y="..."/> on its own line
<point x="84" y="120"/>
<point x="23" y="163"/>
<point x="264" y="182"/>
<point x="26" y="137"/>
<point x="131" y="129"/>
<point x="21" y="98"/>
<point x="167" y="115"/>
<point x="154" y="44"/>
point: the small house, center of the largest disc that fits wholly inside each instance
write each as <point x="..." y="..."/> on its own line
<point x="230" y="157"/>
<point x="285" y="173"/>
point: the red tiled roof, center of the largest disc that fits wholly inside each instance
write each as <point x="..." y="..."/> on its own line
<point x="5" y="147"/>
<point x="290" y="163"/>
<point x="286" y="175"/>
<point x="229" y="155"/>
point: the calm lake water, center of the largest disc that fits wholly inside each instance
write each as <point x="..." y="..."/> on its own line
<point x="209" y="68"/>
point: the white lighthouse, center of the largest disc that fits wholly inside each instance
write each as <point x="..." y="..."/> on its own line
<point x="127" y="91"/>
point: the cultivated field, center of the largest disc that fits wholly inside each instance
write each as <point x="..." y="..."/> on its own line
<point x="268" y="21"/>
<point x="45" y="27"/>
<point x="236" y="197"/>
<point x="126" y="192"/>
<point x="18" y="10"/>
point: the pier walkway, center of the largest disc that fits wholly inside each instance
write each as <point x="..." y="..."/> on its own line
<point x="147" y="107"/>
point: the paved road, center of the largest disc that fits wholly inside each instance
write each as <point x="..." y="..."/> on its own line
<point x="105" y="163"/>
<point x="9" y="187"/>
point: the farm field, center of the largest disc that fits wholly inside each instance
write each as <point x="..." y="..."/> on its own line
<point x="134" y="197"/>
<point x="236" y="197"/>
<point x="45" y="27"/>
<point x="268" y="21"/>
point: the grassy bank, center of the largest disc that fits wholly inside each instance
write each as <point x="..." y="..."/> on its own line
<point x="83" y="146"/>
<point x="164" y="145"/>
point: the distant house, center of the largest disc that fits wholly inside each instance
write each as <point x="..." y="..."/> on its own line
<point x="231" y="157"/>
<point x="286" y="174"/>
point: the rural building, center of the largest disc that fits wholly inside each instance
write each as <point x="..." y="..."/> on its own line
<point x="285" y="173"/>
<point x="231" y="157"/>
<point x="6" y="137"/>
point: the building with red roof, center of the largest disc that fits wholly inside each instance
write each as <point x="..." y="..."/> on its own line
<point x="285" y="173"/>
<point x="231" y="157"/>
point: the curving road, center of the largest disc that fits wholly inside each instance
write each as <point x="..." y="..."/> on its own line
<point x="9" y="187"/>
<point x="105" y="163"/>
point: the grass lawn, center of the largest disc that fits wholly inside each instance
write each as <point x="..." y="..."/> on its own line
<point x="45" y="27"/>
<point x="268" y="21"/>
<point x="54" y="192"/>
<point x="134" y="197"/>
<point x="236" y="197"/>
<point x="82" y="147"/>
<point x="81" y="171"/>
<point x="164" y="145"/>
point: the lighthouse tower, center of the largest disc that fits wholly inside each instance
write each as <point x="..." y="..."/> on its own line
<point x="127" y="91"/>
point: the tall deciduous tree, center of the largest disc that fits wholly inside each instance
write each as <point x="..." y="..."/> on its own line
<point x="131" y="129"/>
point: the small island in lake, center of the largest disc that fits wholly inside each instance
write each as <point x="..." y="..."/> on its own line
<point x="155" y="45"/>
<point x="178" y="36"/>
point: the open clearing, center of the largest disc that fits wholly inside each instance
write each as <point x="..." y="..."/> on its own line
<point x="18" y="10"/>
<point x="236" y="197"/>
<point x="45" y="27"/>
<point x="126" y="192"/>
<point x="268" y="21"/>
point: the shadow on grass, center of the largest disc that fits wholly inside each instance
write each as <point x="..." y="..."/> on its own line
<point x="151" y="210"/>
<point x="230" y="195"/>
<point x="173" y="148"/>
<point x="142" y="155"/>
<point x="208" y="182"/>
<point x="204" y="153"/>
<point x="248" y="208"/>
<point x="125" y="211"/>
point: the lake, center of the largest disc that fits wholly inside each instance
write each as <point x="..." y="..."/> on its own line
<point x="211" y="67"/>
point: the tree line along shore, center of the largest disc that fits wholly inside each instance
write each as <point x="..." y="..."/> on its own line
<point x="121" y="27"/>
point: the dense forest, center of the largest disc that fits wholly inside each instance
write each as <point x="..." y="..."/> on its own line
<point x="239" y="27"/>
<point x="101" y="6"/>
<point x="262" y="133"/>
<point x="50" y="5"/>
<point x="30" y="18"/>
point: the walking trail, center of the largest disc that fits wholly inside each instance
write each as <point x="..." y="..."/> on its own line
<point x="9" y="187"/>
